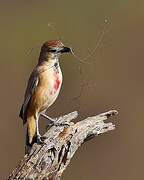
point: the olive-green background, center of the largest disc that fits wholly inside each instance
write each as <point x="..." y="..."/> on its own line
<point x="115" y="75"/>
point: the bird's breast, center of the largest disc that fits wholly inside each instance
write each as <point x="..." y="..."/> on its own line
<point x="49" y="86"/>
<point x="54" y="81"/>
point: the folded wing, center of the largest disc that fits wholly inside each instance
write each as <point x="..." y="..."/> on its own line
<point x="32" y="84"/>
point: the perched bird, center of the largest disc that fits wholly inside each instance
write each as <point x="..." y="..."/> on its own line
<point x="43" y="88"/>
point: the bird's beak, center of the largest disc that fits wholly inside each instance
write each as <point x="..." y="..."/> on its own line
<point x="66" y="50"/>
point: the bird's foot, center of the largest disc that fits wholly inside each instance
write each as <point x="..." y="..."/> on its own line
<point x="41" y="139"/>
<point x="61" y="124"/>
<point x="54" y="122"/>
<point x="57" y="124"/>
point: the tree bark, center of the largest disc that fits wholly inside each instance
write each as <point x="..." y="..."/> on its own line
<point x="49" y="160"/>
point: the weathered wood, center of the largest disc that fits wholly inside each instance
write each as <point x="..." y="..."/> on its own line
<point x="48" y="161"/>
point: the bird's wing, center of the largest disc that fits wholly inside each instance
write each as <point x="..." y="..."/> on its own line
<point x="32" y="84"/>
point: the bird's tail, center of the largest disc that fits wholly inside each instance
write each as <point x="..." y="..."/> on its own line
<point x="31" y="133"/>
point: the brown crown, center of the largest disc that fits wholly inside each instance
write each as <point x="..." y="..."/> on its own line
<point x="52" y="44"/>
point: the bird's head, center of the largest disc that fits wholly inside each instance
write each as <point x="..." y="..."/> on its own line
<point x="53" y="49"/>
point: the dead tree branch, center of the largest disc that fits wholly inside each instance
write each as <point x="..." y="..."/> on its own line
<point x="48" y="161"/>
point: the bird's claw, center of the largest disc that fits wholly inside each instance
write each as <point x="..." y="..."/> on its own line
<point x="57" y="124"/>
<point x="41" y="139"/>
<point x="61" y="124"/>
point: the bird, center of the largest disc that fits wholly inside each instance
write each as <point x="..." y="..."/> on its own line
<point x="42" y="89"/>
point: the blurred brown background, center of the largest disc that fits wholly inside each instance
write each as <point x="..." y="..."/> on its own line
<point x="116" y="75"/>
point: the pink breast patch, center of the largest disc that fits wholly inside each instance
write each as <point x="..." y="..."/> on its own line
<point x="57" y="84"/>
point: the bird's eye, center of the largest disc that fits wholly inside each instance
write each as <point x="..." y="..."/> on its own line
<point x="53" y="50"/>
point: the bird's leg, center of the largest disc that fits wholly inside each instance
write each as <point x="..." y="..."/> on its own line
<point x="48" y="118"/>
<point x="40" y="139"/>
<point x="37" y="128"/>
<point x="53" y="122"/>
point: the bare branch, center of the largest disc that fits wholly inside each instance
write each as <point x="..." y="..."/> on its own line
<point x="48" y="161"/>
